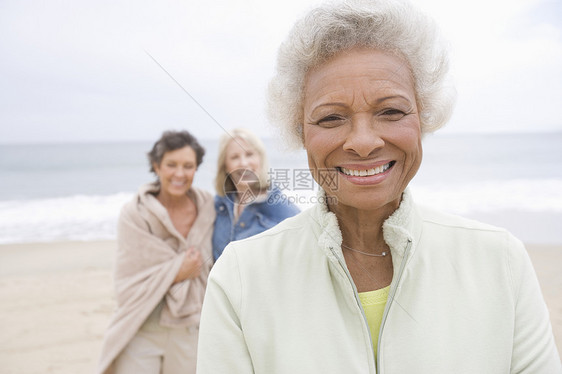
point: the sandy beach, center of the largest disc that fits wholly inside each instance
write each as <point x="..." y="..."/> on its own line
<point x="56" y="300"/>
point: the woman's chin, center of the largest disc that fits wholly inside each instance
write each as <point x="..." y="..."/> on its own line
<point x="252" y="185"/>
<point x="362" y="200"/>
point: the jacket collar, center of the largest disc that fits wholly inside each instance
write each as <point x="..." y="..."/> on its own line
<point x="227" y="201"/>
<point x="402" y="226"/>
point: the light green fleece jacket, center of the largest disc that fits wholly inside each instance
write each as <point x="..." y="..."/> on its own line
<point x="464" y="299"/>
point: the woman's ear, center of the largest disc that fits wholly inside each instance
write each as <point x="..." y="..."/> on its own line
<point x="156" y="168"/>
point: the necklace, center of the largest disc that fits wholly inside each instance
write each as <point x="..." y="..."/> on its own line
<point x="365" y="253"/>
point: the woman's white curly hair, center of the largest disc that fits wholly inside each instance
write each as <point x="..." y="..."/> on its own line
<point x="394" y="26"/>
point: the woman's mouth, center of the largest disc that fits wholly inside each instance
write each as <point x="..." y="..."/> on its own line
<point x="366" y="172"/>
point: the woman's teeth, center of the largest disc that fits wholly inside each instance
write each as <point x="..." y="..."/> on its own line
<point x="366" y="172"/>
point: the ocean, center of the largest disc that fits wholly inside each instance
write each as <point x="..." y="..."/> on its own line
<point x="57" y="192"/>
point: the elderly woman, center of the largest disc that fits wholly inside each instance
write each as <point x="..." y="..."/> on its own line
<point x="163" y="260"/>
<point x="245" y="203"/>
<point x="367" y="281"/>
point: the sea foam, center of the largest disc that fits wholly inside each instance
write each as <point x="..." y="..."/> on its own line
<point x="67" y="218"/>
<point x="83" y="217"/>
<point x="542" y="195"/>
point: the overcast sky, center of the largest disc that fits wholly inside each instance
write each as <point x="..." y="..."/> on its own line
<point x="81" y="70"/>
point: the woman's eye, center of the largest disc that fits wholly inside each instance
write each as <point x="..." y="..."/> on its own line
<point x="331" y="121"/>
<point x="393" y="114"/>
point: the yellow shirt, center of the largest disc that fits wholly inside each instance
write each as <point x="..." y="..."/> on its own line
<point x="373" y="303"/>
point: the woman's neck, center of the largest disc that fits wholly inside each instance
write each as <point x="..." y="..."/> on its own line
<point x="362" y="229"/>
<point x="172" y="202"/>
<point x="246" y="194"/>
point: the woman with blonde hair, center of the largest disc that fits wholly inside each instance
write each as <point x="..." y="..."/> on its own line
<point x="367" y="281"/>
<point x="246" y="204"/>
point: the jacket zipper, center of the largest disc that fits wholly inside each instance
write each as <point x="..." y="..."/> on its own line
<point x="391" y="295"/>
<point x="356" y="295"/>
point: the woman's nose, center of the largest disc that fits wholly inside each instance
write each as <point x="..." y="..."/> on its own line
<point x="364" y="137"/>
<point x="179" y="172"/>
<point x="244" y="162"/>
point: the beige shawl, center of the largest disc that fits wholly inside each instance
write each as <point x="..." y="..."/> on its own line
<point x="149" y="256"/>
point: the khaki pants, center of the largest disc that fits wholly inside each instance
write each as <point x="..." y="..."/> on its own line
<point x="159" y="350"/>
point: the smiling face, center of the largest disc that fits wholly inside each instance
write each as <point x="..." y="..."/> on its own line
<point x="176" y="171"/>
<point x="240" y="157"/>
<point x="362" y="129"/>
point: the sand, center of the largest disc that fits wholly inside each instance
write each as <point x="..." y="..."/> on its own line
<point x="56" y="300"/>
<point x="55" y="303"/>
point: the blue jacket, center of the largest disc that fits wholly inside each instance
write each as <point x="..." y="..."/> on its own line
<point x="255" y="218"/>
